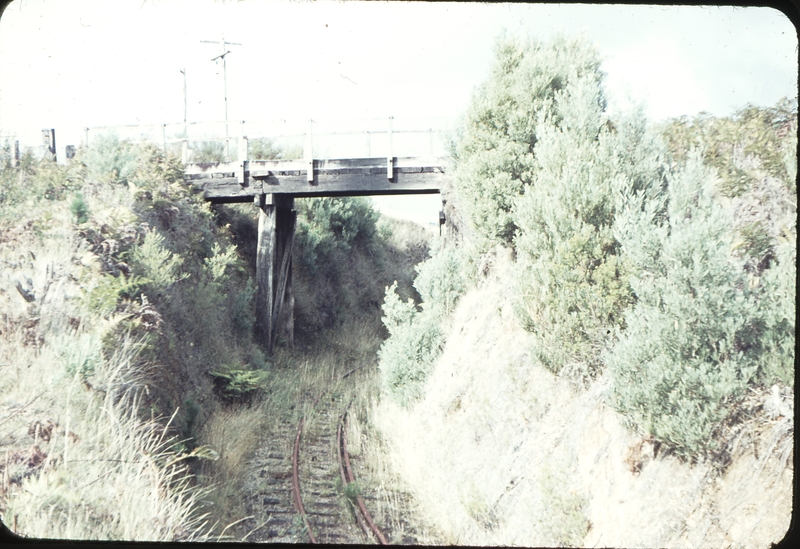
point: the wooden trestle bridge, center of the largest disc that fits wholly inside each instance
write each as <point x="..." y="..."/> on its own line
<point x="272" y="186"/>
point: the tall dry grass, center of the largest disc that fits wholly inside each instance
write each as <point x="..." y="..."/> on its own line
<point x="79" y="457"/>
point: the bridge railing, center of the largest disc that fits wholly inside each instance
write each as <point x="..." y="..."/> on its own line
<point x="208" y="141"/>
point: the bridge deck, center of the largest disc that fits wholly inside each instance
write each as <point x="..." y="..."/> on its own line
<point x="229" y="182"/>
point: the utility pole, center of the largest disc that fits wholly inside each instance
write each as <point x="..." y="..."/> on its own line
<point x="185" y="144"/>
<point x="223" y="53"/>
<point x="183" y="72"/>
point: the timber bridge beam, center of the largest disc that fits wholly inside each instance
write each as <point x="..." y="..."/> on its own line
<point x="272" y="186"/>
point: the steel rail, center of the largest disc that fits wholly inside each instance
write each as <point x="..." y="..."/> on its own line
<point x="298" y="499"/>
<point x="340" y="448"/>
<point x="351" y="478"/>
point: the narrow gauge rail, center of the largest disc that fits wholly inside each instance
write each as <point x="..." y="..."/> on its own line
<point x="363" y="517"/>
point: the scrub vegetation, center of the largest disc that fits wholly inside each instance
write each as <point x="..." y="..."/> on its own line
<point x="651" y="267"/>
<point x="607" y="325"/>
<point x="664" y="255"/>
<point x="133" y="392"/>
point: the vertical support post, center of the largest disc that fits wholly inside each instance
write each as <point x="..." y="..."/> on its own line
<point x="16" y="153"/>
<point x="265" y="261"/>
<point x="49" y="143"/>
<point x="242" y="168"/>
<point x="185" y="104"/>
<point x="274" y="294"/>
<point x="390" y="158"/>
<point x="164" y="137"/>
<point x="225" y="81"/>
<point x="369" y="145"/>
<point x="309" y="152"/>
<point x="86" y="138"/>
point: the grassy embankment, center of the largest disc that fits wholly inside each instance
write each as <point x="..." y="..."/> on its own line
<point x="616" y="331"/>
<point x="133" y="392"/>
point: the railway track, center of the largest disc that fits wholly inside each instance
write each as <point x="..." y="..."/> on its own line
<point x="305" y="488"/>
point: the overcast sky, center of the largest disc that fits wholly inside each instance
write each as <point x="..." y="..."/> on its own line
<point x="69" y="65"/>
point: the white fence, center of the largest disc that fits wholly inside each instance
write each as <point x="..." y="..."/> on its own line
<point x="326" y="138"/>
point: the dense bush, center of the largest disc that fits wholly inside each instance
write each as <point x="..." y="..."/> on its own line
<point x="495" y="152"/>
<point x="338" y="258"/>
<point x="572" y="280"/>
<point x="755" y="154"/>
<point x="159" y="267"/>
<point x="209" y="151"/>
<point x="36" y="179"/>
<point x="263" y="148"/>
<point x="416" y="336"/>
<point x="740" y="147"/>
<point x="414" y="343"/>
<point x="778" y="306"/>
<point x="440" y="279"/>
<point x="696" y="278"/>
<point x="694" y="339"/>
<point x="114" y="238"/>
<point x="110" y="160"/>
<point x="327" y="228"/>
<point x="541" y="167"/>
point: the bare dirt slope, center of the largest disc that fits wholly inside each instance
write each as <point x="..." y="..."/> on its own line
<point x="506" y="453"/>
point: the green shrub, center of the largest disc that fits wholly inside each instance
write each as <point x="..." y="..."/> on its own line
<point x="104" y="295"/>
<point x="157" y="265"/>
<point x="235" y="384"/>
<point x="263" y="148"/>
<point x="328" y="227"/>
<point x="110" y="160"/>
<point x="416" y="337"/>
<point x="495" y="154"/>
<point x="79" y="209"/>
<point x="694" y="338"/>
<point x="407" y="356"/>
<point x="37" y="179"/>
<point x="352" y="491"/>
<point x="154" y="169"/>
<point x="754" y="141"/>
<point x="218" y="263"/>
<point x="440" y="279"/>
<point x="81" y="355"/>
<point x="778" y="291"/>
<point x="572" y="281"/>
<point x="209" y="151"/>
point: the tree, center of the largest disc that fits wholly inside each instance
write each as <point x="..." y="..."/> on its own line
<point x="495" y="154"/>
<point x="543" y="168"/>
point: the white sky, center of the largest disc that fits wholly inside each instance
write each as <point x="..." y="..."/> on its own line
<point x="69" y="65"/>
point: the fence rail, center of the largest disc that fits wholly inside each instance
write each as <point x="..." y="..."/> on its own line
<point x="328" y="138"/>
<point x="289" y="139"/>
